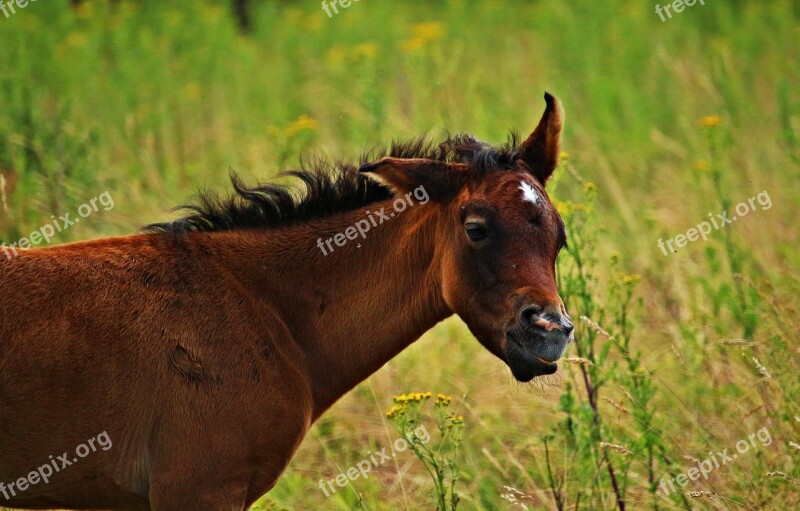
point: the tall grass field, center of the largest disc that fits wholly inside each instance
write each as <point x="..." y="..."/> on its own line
<point x="681" y="389"/>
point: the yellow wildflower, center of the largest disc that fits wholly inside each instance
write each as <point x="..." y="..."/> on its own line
<point x="313" y="22"/>
<point x="303" y="122"/>
<point x="335" y="55"/>
<point x="421" y="34"/>
<point x="83" y="10"/>
<point x="394" y="411"/>
<point x="366" y="50"/>
<point x="412" y="44"/>
<point x="429" y="31"/>
<point x="76" y="39"/>
<point x="701" y="166"/>
<point x="710" y="121"/>
<point x="191" y="91"/>
<point x="567" y="208"/>
<point x="631" y="279"/>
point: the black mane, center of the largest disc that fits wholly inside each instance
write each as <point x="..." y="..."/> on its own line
<point x="329" y="188"/>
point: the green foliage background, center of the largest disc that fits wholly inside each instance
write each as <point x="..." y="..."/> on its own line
<point x="151" y="100"/>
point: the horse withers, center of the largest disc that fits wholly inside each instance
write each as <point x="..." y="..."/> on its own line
<point x="201" y="351"/>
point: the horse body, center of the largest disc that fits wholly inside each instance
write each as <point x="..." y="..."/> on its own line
<point x="181" y="350"/>
<point x="205" y="356"/>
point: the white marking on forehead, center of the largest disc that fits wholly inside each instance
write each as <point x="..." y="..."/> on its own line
<point x="528" y="193"/>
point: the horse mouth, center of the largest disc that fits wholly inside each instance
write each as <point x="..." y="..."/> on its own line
<point x="524" y="364"/>
<point x="543" y="360"/>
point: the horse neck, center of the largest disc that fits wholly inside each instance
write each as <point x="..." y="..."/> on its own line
<point x="354" y="309"/>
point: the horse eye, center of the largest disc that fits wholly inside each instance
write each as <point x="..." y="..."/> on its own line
<point x="476" y="231"/>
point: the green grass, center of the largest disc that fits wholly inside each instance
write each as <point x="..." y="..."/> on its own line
<point x="152" y="100"/>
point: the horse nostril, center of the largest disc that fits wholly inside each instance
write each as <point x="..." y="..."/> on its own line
<point x="530" y="315"/>
<point x="534" y="317"/>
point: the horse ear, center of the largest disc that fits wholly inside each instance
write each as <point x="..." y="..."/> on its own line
<point x="440" y="180"/>
<point x="540" y="150"/>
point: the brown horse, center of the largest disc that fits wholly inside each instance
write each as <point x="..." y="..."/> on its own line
<point x="181" y="368"/>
